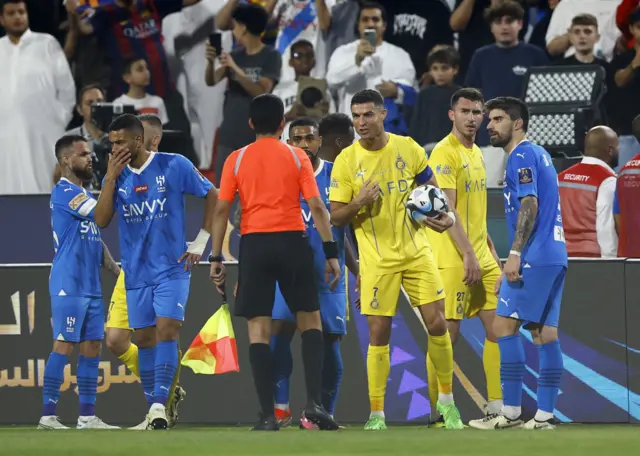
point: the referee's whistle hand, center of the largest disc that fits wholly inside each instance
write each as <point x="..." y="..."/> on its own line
<point x="332" y="273"/>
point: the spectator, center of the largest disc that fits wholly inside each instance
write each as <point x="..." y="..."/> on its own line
<point x="558" y="42"/>
<point x="583" y="36"/>
<point x="96" y="138"/>
<point x="360" y="65"/>
<point x="430" y="122"/>
<point x="136" y="75"/>
<point x="539" y="33"/>
<point x="468" y="19"/>
<point x="498" y="70"/>
<point x="625" y="91"/>
<point x="224" y="22"/>
<point x="252" y="69"/>
<point x="302" y="61"/>
<point x="303" y="20"/>
<point x="341" y="30"/>
<point x="623" y="12"/>
<point x="626" y="205"/>
<point x="586" y="196"/>
<point x="38" y="94"/>
<point x="417" y="27"/>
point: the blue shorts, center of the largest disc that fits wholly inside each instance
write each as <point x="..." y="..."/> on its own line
<point x="536" y="298"/>
<point x="76" y="319"/>
<point x="333" y="311"/>
<point x="167" y="299"/>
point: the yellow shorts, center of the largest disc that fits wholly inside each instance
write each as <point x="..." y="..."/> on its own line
<point x="379" y="293"/>
<point x="465" y="302"/>
<point x="118" y="316"/>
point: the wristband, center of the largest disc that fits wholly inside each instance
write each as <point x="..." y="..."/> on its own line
<point x="514" y="252"/>
<point x="199" y="243"/>
<point x="216" y="259"/>
<point x="452" y="215"/>
<point x="330" y="250"/>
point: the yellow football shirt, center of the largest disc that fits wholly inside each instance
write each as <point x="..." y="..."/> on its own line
<point x="388" y="241"/>
<point x="463" y="170"/>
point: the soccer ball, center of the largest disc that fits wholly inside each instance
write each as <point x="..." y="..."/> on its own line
<point x="426" y="201"/>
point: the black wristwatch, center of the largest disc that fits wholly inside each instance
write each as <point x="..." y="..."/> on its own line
<point x="216" y="259"/>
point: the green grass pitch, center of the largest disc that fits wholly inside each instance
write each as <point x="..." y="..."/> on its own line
<point x="567" y="440"/>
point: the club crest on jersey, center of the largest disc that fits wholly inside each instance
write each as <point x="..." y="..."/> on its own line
<point x="160" y="182"/>
<point x="400" y="163"/>
<point x="77" y="200"/>
<point x="525" y="175"/>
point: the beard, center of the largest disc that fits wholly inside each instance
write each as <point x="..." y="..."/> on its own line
<point x="499" y="141"/>
<point x="312" y="156"/>
<point x="86" y="174"/>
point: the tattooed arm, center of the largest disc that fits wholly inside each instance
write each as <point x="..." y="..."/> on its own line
<point x="108" y="262"/>
<point x="526" y="219"/>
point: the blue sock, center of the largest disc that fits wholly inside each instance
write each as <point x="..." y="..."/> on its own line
<point x="147" y="363"/>
<point x="551" y="368"/>
<point x="511" y="370"/>
<point x="283" y="366"/>
<point x="53" y="378"/>
<point x="87" y="377"/>
<point x="331" y="374"/>
<point x="166" y="366"/>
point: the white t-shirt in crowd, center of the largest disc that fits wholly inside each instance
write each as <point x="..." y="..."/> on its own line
<point x="603" y="10"/>
<point x="150" y="104"/>
<point x="288" y="92"/>
<point x="292" y="15"/>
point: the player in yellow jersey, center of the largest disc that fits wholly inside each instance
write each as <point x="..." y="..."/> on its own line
<point x="370" y="183"/>
<point x="118" y="332"/>
<point x="468" y="262"/>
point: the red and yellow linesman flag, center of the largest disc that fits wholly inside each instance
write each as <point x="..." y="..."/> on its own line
<point x="214" y="350"/>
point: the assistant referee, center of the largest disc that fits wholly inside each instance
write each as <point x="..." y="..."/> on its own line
<point x="269" y="177"/>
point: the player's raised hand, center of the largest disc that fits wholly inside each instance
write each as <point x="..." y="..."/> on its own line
<point x="472" y="271"/>
<point x="332" y="273"/>
<point x="117" y="161"/>
<point x="218" y="274"/>
<point x="369" y="192"/>
<point x="512" y="268"/>
<point x="439" y="224"/>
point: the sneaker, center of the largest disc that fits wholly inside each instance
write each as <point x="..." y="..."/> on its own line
<point x="268" y="423"/>
<point x="283" y="417"/>
<point x="144" y="426"/>
<point x="158" y="417"/>
<point x="306" y="424"/>
<point x="172" y="409"/>
<point x="496" y="421"/>
<point x="534" y="424"/>
<point x="50" y="422"/>
<point x="451" y="415"/>
<point x="93" y="422"/>
<point x="320" y="417"/>
<point x="375" y="423"/>
<point x="438" y="423"/>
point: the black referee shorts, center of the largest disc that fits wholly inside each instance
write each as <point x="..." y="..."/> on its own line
<point x="267" y="258"/>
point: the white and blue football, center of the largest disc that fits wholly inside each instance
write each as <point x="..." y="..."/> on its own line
<point x="426" y="201"/>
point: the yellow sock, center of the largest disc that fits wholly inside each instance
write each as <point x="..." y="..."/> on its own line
<point x="441" y="352"/>
<point x="491" y="362"/>
<point x="433" y="382"/>
<point x="378" y="367"/>
<point x="130" y="359"/>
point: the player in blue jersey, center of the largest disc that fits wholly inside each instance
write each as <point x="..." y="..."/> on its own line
<point x="77" y="310"/>
<point x="148" y="189"/>
<point x="534" y="272"/>
<point x="303" y="133"/>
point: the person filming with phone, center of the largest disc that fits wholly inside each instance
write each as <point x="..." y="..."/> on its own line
<point x="372" y="63"/>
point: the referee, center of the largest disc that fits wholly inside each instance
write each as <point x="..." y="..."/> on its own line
<point x="269" y="177"/>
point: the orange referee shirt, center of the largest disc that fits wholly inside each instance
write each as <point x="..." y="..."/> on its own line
<point x="269" y="176"/>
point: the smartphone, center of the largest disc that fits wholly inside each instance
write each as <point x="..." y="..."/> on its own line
<point x="371" y="36"/>
<point x="215" y="39"/>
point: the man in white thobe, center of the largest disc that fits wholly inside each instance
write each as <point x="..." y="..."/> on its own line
<point x="37" y="96"/>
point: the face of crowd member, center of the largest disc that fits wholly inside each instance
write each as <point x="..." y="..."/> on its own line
<point x="368" y="120"/>
<point x="139" y="74"/>
<point x="583" y="37"/>
<point x="467" y="116"/>
<point x="303" y="60"/>
<point x="371" y="18"/>
<point x="306" y="138"/>
<point x="89" y="98"/>
<point x="14" y="18"/>
<point x="505" y="30"/>
<point x="442" y="73"/>
<point x="239" y="31"/>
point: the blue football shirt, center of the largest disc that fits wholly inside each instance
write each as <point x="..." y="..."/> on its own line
<point x="76" y="241"/>
<point x="151" y="211"/>
<point x="323" y="179"/>
<point x="530" y="172"/>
